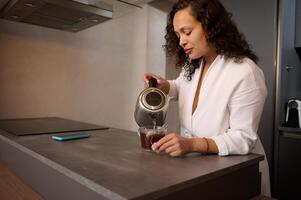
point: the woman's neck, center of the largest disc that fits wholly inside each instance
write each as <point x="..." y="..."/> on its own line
<point x="209" y="59"/>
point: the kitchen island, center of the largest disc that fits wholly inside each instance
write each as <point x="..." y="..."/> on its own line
<point x="111" y="165"/>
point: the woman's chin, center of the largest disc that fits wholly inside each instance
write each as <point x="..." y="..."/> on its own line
<point x="192" y="57"/>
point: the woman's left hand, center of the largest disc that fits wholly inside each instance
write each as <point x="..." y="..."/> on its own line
<point x="173" y="144"/>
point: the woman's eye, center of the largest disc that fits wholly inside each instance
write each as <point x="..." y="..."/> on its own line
<point x="188" y="33"/>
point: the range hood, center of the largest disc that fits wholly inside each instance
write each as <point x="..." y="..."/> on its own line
<point x="65" y="15"/>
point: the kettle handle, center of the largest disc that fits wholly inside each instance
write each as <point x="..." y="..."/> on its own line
<point x="153" y="82"/>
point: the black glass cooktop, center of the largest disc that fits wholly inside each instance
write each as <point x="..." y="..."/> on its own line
<point x="45" y="125"/>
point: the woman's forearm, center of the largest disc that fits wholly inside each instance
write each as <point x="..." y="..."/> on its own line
<point x="203" y="146"/>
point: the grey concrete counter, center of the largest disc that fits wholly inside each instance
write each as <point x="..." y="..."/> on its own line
<point x="111" y="165"/>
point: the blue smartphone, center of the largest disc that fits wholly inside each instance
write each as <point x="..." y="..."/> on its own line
<point x="72" y="136"/>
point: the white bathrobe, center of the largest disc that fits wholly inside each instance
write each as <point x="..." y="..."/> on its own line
<point x="230" y="104"/>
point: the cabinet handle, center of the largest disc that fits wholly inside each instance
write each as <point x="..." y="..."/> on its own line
<point x="288" y="67"/>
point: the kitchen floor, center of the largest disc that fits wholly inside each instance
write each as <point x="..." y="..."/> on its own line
<point x="12" y="188"/>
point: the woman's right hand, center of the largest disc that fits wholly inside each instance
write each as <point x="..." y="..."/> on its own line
<point x="162" y="83"/>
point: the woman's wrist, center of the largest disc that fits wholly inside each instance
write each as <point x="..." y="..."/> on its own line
<point x="199" y="145"/>
<point x="166" y="87"/>
<point x="203" y="145"/>
<point x="207" y="145"/>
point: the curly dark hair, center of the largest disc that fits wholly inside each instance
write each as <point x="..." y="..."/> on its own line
<point x="220" y="31"/>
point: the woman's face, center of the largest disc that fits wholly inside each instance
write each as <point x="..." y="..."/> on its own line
<point x="191" y="34"/>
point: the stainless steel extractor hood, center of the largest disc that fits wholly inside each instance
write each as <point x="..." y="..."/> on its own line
<point x="65" y="15"/>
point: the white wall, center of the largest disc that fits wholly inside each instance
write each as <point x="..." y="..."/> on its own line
<point x="94" y="75"/>
<point x="157" y="58"/>
<point x="156" y="30"/>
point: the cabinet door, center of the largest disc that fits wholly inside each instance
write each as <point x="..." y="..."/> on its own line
<point x="289" y="168"/>
<point x="298" y="24"/>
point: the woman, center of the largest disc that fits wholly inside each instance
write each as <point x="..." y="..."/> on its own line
<point x="220" y="91"/>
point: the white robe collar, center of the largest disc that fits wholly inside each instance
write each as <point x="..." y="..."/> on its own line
<point x="204" y="90"/>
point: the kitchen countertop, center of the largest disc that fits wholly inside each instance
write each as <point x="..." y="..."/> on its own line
<point x="110" y="165"/>
<point x="289" y="129"/>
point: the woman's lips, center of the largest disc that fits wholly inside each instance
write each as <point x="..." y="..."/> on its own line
<point x="188" y="51"/>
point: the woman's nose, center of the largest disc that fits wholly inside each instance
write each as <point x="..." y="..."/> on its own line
<point x="183" y="42"/>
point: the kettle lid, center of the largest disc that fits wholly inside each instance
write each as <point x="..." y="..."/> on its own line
<point x="153" y="99"/>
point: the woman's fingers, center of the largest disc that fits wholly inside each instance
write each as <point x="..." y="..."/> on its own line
<point x="172" y="148"/>
<point x="172" y="144"/>
<point x="161" y="82"/>
<point x="148" y="76"/>
<point x="175" y="153"/>
<point x="170" y="140"/>
<point x="166" y="145"/>
<point x="156" y="146"/>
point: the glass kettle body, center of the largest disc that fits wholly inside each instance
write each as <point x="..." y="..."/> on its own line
<point x="151" y="107"/>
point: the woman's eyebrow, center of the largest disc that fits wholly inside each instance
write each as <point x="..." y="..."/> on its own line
<point x="185" y="28"/>
<point x="182" y="29"/>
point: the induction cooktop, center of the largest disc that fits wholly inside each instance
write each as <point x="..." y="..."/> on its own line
<point x="45" y="125"/>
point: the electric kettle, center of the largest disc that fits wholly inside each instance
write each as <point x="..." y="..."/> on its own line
<point x="151" y="106"/>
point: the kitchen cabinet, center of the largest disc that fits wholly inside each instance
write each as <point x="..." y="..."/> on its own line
<point x="112" y="165"/>
<point x="298" y="28"/>
<point x="11" y="187"/>
<point x="298" y="24"/>
<point x="285" y="170"/>
<point x="289" y="166"/>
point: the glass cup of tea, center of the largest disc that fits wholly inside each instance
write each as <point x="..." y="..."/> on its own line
<point x="150" y="135"/>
